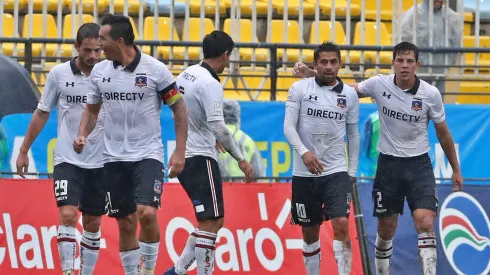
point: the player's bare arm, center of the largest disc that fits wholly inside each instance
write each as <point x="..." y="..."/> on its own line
<point x="38" y="121"/>
<point x="87" y="125"/>
<point x="446" y="140"/>
<point x="180" y="122"/>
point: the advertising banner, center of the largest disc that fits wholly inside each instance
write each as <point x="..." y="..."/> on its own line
<point x="257" y="238"/>
<point x="263" y="122"/>
<point x="462" y="228"/>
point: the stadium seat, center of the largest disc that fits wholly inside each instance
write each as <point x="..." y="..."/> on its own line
<point x="340" y="7"/>
<point x="484" y="58"/>
<point x="209" y="7"/>
<point x="370" y="40"/>
<point x="52" y="5"/>
<point x="37" y="32"/>
<point x="163" y="34"/>
<point x="293" y="7"/>
<point x="285" y="80"/>
<point x="255" y="79"/>
<point x="246" y="36"/>
<point x="372" y="72"/>
<point x="195" y="25"/>
<point x="176" y="69"/>
<point x="9" y="5"/>
<point x="164" y="7"/>
<point x="277" y="29"/>
<point x="135" y="28"/>
<point x="371" y="9"/>
<point x="325" y="30"/>
<point x="407" y="4"/>
<point x="474" y="87"/>
<point x="68" y="24"/>
<point x="247" y="5"/>
<point x="87" y="5"/>
<point x="133" y="6"/>
<point x="347" y="76"/>
<point x="9" y="31"/>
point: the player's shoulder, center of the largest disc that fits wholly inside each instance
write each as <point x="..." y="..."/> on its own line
<point x="348" y="90"/>
<point x="151" y="62"/>
<point x="302" y="84"/>
<point x="102" y="65"/>
<point x="60" y="68"/>
<point x="427" y="89"/>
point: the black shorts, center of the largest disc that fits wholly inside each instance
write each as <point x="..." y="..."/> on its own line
<point x="399" y="178"/>
<point x="315" y="199"/>
<point x="201" y="179"/>
<point x="131" y="183"/>
<point x="79" y="187"/>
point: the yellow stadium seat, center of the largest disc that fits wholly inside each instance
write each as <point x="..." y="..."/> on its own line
<point x="255" y="79"/>
<point x="285" y="80"/>
<point x="340" y="7"/>
<point x="325" y="33"/>
<point x="52" y="5"/>
<point x="347" y="76"/>
<point x="370" y="40"/>
<point x="88" y="5"/>
<point x="277" y="29"/>
<point x="293" y="7"/>
<point x="371" y="9"/>
<point x="34" y="78"/>
<point x="194" y="25"/>
<point x="9" y="31"/>
<point x="68" y="24"/>
<point x="474" y="87"/>
<point x="372" y="72"/>
<point x="209" y="7"/>
<point x="484" y="58"/>
<point x="467" y="29"/>
<point x="469" y="17"/>
<point x="163" y="34"/>
<point x="247" y="5"/>
<point x="133" y="6"/>
<point x="246" y="36"/>
<point x="135" y="28"/>
<point x="51" y="32"/>
<point x="9" y="5"/>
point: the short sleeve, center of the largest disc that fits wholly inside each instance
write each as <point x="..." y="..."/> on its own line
<point x="212" y="101"/>
<point x="165" y="80"/>
<point x="436" y="108"/>
<point x="353" y="109"/>
<point x="294" y="97"/>
<point x="368" y="86"/>
<point x="49" y="99"/>
<point x="94" y="96"/>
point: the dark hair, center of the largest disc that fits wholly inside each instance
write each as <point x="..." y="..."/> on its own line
<point x="326" y="46"/>
<point x="87" y="30"/>
<point x="405" y="48"/>
<point x="120" y="27"/>
<point x="216" y="44"/>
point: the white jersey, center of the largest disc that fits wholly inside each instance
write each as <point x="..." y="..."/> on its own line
<point x="404" y="114"/>
<point x="323" y="114"/>
<point x="132" y="100"/>
<point x="67" y="87"/>
<point x="203" y="96"/>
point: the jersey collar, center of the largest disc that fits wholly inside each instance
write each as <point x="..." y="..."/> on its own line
<point x="412" y="90"/>
<point x="131" y="66"/>
<point x="211" y="71"/>
<point x="73" y="65"/>
<point x="339" y="87"/>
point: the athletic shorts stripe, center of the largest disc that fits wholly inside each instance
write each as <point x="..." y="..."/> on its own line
<point x="213" y="191"/>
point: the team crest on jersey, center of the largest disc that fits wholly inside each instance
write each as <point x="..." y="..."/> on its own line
<point x="341" y="102"/>
<point x="417" y="104"/>
<point x="140" y="81"/>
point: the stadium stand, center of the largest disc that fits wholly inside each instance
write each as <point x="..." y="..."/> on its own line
<point x="292" y="22"/>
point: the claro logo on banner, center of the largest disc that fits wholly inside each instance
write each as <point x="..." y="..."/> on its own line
<point x="465" y="230"/>
<point x="257" y="239"/>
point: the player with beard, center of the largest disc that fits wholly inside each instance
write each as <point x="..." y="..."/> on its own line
<point x="320" y="112"/>
<point x="77" y="177"/>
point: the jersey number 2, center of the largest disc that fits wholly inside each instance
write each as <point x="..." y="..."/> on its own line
<point x="378" y="195"/>
<point x="60" y="188"/>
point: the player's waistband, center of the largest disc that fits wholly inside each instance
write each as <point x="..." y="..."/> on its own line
<point x="423" y="156"/>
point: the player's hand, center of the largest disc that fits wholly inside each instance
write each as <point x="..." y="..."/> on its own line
<point x="301" y="70"/>
<point x="247" y="170"/>
<point x="176" y="164"/>
<point x="353" y="180"/>
<point x="220" y="148"/>
<point x="457" y="182"/>
<point x="312" y="163"/>
<point x="22" y="164"/>
<point x="79" y="143"/>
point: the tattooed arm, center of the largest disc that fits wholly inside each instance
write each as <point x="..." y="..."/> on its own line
<point x="87" y="125"/>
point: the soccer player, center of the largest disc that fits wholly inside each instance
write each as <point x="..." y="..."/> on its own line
<point x="132" y="86"/>
<point x="77" y="177"/>
<point x="320" y="112"/>
<point x="406" y="104"/>
<point x="201" y="178"/>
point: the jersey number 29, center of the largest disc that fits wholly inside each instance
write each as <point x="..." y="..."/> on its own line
<point x="60" y="188"/>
